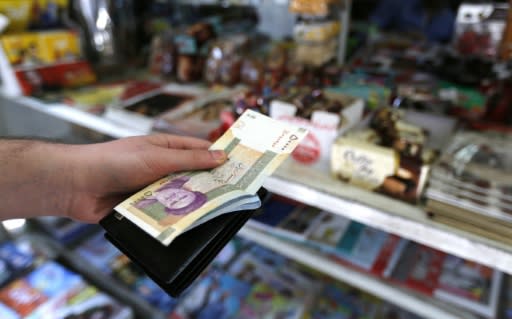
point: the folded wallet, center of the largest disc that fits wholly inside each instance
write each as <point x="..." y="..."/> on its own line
<point x="176" y="266"/>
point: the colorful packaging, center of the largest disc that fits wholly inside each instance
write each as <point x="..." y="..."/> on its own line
<point x="324" y="125"/>
<point x="22" y="297"/>
<point x="41" y="48"/>
<point x="18" y="12"/>
<point x="52" y="279"/>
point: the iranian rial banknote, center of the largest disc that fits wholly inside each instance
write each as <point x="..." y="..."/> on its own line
<point x="256" y="145"/>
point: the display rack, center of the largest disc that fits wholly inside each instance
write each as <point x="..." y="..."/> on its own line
<point x="320" y="190"/>
<point x="426" y="307"/>
<point x="316" y="188"/>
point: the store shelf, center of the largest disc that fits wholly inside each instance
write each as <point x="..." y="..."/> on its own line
<point x="422" y="305"/>
<point x="316" y="188"/>
<point x="75" y="116"/>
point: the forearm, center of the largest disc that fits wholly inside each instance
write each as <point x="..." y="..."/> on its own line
<point x="35" y="178"/>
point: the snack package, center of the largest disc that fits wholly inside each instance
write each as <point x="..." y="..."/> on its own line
<point x="312" y="7"/>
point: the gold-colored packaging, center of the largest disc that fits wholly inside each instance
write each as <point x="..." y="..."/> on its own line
<point x="377" y="168"/>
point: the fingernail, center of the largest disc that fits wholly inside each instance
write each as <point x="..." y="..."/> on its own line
<point x="219" y="156"/>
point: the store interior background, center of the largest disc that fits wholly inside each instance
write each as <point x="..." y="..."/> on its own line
<point x="340" y="287"/>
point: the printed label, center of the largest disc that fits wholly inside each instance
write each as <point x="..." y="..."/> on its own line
<point x="363" y="164"/>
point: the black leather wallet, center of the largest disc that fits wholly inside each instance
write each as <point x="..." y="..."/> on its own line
<point x="175" y="267"/>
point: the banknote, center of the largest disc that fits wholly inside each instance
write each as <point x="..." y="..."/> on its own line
<point x="255" y="144"/>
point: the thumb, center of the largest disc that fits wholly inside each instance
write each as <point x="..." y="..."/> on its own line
<point x="186" y="160"/>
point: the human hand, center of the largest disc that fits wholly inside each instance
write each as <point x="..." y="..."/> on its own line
<point x="104" y="174"/>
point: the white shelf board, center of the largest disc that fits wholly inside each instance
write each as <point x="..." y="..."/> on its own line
<point x="78" y="117"/>
<point x="316" y="188"/>
<point x="421" y="305"/>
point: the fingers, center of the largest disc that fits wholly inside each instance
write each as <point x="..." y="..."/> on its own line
<point x="186" y="160"/>
<point x="178" y="142"/>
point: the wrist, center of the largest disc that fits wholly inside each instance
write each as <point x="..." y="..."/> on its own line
<point x="35" y="176"/>
<point x="56" y="169"/>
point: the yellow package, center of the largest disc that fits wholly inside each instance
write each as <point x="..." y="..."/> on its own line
<point x="21" y="49"/>
<point x="18" y="12"/>
<point x="25" y="13"/>
<point x="311" y="7"/>
<point x="40" y="48"/>
<point x="59" y="46"/>
<point x="316" y="32"/>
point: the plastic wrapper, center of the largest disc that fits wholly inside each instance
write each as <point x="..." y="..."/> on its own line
<point x="475" y="174"/>
<point x="391" y="153"/>
<point x="311" y="7"/>
<point x="163" y="56"/>
<point x="479" y="28"/>
<point x="224" y="60"/>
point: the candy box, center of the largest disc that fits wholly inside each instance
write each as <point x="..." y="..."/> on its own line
<point x="391" y="152"/>
<point x="323" y="125"/>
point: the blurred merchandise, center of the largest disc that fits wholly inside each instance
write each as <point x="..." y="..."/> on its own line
<point x="26" y="15"/>
<point x="206" y="117"/>
<point x="163" y="55"/>
<point x="316" y="41"/>
<point x="392" y="153"/>
<point x="312" y="7"/>
<point x="479" y="28"/>
<point x="224" y="61"/>
<point x="143" y="101"/>
<point x="52" y="290"/>
<point x="18" y="12"/>
<point x="107" y="259"/>
<point x="470" y="187"/>
<point x="432" y="20"/>
<point x="344" y="241"/>
<point x="372" y="89"/>
<point x="56" y="77"/>
<point x="39" y="287"/>
<point x="93" y="98"/>
<point x="498" y="108"/>
<point x="41" y="48"/>
<point x="469" y="70"/>
<point x="43" y="61"/>
<point x="192" y="49"/>
<point x="449" y="278"/>
<point x="324" y="114"/>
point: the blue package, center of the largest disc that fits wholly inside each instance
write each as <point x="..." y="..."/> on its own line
<point x="53" y="279"/>
<point x="98" y="252"/>
<point x="17" y="258"/>
<point x="153" y="294"/>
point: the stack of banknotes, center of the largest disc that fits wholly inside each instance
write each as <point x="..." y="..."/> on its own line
<point x="256" y="145"/>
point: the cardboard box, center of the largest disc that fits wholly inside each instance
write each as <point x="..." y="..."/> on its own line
<point x="323" y="128"/>
<point x="399" y="170"/>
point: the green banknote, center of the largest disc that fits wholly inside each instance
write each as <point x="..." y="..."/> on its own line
<point x="256" y="145"/>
